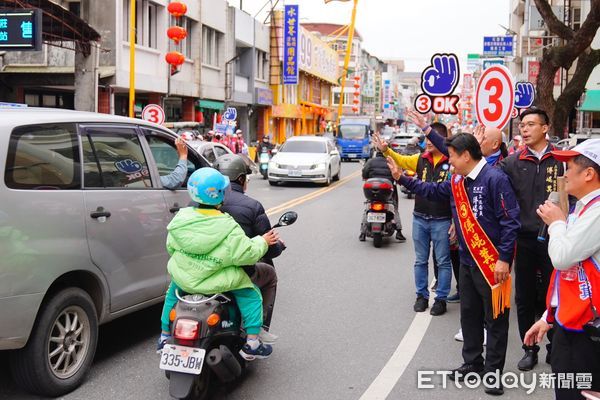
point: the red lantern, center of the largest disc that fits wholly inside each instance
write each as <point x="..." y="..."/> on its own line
<point x="199" y="117"/>
<point x="357" y="78"/>
<point x="355" y="109"/>
<point x="356" y="86"/>
<point x="177" y="9"/>
<point x="175" y="58"/>
<point x="176" y="33"/>
<point x="356" y="101"/>
<point x="357" y="93"/>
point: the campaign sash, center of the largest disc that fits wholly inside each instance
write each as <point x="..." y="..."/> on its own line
<point x="480" y="246"/>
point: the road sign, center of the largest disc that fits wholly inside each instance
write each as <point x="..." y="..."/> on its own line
<point x="153" y="113"/>
<point x="492" y="61"/>
<point x="21" y="29"/>
<point x="497" y="46"/>
<point x="495" y="96"/>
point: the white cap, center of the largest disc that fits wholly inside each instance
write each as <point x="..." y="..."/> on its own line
<point x="589" y="148"/>
<point x="238" y="131"/>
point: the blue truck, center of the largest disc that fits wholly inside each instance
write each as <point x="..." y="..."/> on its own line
<point x="354" y="138"/>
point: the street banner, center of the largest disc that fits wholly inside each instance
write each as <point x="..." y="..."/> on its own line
<point x="438" y="82"/>
<point x="290" y="43"/>
<point x="494" y="97"/>
<point x="498" y="46"/>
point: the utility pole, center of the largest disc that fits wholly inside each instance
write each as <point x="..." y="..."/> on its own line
<point x="346" y="61"/>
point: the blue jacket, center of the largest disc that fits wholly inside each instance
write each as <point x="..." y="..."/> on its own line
<point x="498" y="210"/>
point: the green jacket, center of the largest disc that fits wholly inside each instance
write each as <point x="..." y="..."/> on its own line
<point x="207" y="248"/>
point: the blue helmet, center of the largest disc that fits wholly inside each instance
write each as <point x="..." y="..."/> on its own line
<point x="207" y="186"/>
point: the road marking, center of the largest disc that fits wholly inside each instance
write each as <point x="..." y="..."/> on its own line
<point x="312" y="195"/>
<point x="396" y="365"/>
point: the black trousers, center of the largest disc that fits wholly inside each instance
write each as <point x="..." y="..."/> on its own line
<point x="574" y="352"/>
<point x="533" y="270"/>
<point x="475" y="310"/>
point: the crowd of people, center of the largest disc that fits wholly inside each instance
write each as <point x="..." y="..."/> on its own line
<point x="494" y="200"/>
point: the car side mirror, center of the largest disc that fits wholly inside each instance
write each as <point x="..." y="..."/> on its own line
<point x="288" y="218"/>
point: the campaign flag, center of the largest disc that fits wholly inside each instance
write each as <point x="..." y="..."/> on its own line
<point x="290" y="45"/>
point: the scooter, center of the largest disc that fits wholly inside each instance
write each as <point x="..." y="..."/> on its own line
<point x="379" y="209"/>
<point x="206" y="337"/>
<point x="263" y="160"/>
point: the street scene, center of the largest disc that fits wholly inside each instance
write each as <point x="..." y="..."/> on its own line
<point x="326" y="199"/>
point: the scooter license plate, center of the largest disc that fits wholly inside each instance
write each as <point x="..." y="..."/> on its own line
<point x="376" y="217"/>
<point x="184" y="359"/>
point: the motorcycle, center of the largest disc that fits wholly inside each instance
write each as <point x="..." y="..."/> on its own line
<point x="206" y="337"/>
<point x="263" y="160"/>
<point x="379" y="209"/>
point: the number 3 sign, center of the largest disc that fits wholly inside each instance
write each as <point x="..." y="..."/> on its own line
<point x="495" y="96"/>
<point x="153" y="113"/>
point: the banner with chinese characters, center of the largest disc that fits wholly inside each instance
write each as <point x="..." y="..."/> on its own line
<point x="290" y="45"/>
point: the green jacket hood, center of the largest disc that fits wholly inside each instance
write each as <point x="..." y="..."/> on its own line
<point x="199" y="233"/>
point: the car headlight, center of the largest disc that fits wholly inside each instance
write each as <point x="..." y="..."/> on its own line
<point x="319" y="166"/>
<point x="273" y="165"/>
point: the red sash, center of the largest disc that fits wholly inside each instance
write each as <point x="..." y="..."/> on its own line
<point x="480" y="246"/>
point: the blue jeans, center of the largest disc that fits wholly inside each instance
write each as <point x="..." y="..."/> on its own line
<point x="435" y="231"/>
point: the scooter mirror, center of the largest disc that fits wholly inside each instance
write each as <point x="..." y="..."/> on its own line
<point x="288" y="218"/>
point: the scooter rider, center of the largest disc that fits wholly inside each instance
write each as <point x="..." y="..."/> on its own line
<point x="251" y="216"/>
<point x="264" y="145"/>
<point x="377" y="167"/>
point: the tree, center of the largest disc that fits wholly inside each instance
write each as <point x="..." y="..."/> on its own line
<point x="575" y="47"/>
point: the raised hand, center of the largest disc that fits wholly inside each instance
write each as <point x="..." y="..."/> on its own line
<point x="479" y="133"/>
<point x="524" y="94"/>
<point x="394" y="168"/>
<point x="441" y="78"/>
<point x="417" y="118"/>
<point x="379" y="142"/>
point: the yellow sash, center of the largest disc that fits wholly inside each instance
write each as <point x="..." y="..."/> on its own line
<point x="480" y="246"/>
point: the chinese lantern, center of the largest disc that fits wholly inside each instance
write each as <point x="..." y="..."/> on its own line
<point x="176" y="33"/>
<point x="355" y="109"/>
<point x="356" y="86"/>
<point x="177" y="9"/>
<point x="175" y="58"/>
<point x="357" y="93"/>
<point x="199" y="117"/>
<point x="357" y="78"/>
<point x="355" y="101"/>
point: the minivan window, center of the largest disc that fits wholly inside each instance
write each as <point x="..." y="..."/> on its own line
<point x="43" y="157"/>
<point x="113" y="158"/>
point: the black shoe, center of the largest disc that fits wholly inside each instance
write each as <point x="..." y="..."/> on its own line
<point x="362" y="237"/>
<point x="421" y="304"/>
<point x="548" y="353"/>
<point x="399" y="236"/>
<point x="494" y="388"/>
<point x="529" y="360"/>
<point x="438" y="308"/>
<point x="458" y="374"/>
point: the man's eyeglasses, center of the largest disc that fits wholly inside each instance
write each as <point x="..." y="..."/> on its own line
<point x="529" y="125"/>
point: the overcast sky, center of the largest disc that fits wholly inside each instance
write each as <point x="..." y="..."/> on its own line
<point x="412" y="30"/>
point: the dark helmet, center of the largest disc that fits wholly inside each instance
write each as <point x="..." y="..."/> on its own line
<point x="232" y="166"/>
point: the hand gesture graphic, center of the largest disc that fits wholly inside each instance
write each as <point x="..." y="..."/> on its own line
<point x="524" y="94"/>
<point x="128" y="166"/>
<point x="441" y="78"/>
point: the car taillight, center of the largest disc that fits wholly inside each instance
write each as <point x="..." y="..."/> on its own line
<point x="377" y="206"/>
<point x="186" y="329"/>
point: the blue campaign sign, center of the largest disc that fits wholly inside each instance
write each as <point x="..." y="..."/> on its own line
<point x="441" y="77"/>
<point x="290" y="45"/>
<point x="21" y="29"/>
<point x="498" y="46"/>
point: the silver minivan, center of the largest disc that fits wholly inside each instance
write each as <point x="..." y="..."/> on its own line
<point x="83" y="221"/>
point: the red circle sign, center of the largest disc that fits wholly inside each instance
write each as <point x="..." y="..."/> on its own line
<point x="495" y="96"/>
<point x="153" y="113"/>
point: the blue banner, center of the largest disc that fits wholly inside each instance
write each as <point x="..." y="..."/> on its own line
<point x="498" y="46"/>
<point x="290" y="45"/>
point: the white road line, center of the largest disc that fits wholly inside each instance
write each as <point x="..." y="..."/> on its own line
<point x="396" y="365"/>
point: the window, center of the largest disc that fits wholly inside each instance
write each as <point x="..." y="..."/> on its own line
<point x="113" y="158"/>
<point x="152" y="25"/>
<point x="165" y="154"/>
<point x="43" y="157"/>
<point x="211" y="41"/>
<point x="139" y="28"/>
<point x="262" y="63"/>
<point x="576" y="18"/>
<point x="75" y="7"/>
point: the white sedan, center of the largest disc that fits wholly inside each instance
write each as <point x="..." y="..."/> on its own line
<point x="305" y="159"/>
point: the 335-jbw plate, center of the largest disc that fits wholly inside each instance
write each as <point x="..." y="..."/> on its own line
<point x="182" y="359"/>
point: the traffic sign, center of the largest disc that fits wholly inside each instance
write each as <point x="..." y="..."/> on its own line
<point x="495" y="96"/>
<point x="153" y="113"/>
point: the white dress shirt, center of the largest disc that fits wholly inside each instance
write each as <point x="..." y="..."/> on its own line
<point x="475" y="171"/>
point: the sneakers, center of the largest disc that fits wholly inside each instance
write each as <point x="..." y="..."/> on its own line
<point x="455" y="298"/>
<point x="421" y="304"/>
<point x="267" y="337"/>
<point x="438" y="308"/>
<point x="162" y="340"/>
<point x="459" y="336"/>
<point x="399" y="236"/>
<point x="261" y="352"/>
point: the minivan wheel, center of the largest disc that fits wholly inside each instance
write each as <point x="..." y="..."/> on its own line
<point x="61" y="346"/>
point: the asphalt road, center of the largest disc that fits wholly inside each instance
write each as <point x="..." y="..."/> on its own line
<point x="343" y="308"/>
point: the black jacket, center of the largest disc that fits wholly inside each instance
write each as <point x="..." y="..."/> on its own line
<point x="377" y="167"/>
<point x="533" y="180"/>
<point x="251" y="216"/>
<point x="427" y="172"/>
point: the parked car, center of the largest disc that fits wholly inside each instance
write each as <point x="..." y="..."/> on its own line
<point x="83" y="227"/>
<point x="305" y="159"/>
<point x="213" y="150"/>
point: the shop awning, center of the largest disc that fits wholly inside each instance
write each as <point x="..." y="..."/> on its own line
<point x="591" y="102"/>
<point x="213" y="105"/>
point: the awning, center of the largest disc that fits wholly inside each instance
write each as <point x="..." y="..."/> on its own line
<point x="213" y="105"/>
<point x="103" y="71"/>
<point x="591" y="102"/>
